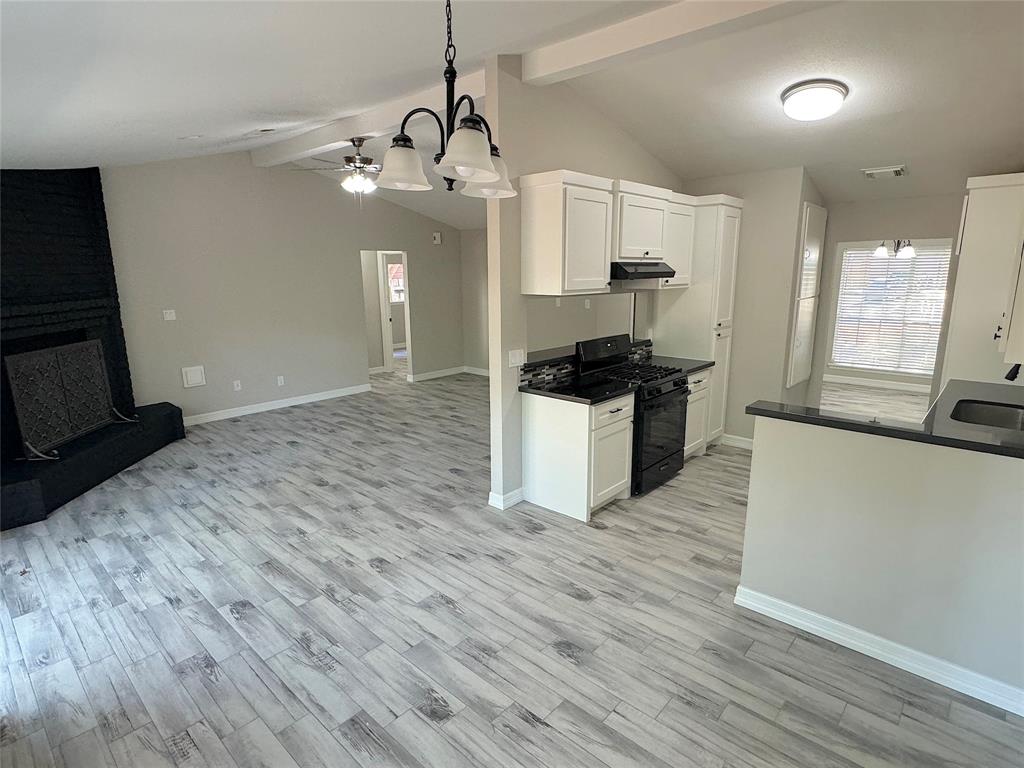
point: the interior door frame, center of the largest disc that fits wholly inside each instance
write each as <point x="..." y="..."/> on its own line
<point x="386" y="334"/>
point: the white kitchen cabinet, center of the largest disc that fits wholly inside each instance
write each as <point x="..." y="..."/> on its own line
<point x="719" y="394"/>
<point x="697" y="409"/>
<point x="1013" y="350"/>
<point x="566" y="233"/>
<point x="981" y="341"/>
<point x="641" y="221"/>
<point x="610" y="470"/>
<point x="576" y="457"/>
<point x="678" y="244"/>
<point x="727" y="248"/>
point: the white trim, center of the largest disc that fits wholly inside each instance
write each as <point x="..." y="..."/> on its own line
<point x="737" y="442"/>
<point x="476" y="371"/>
<point x="273" y="405"/>
<point x="932" y="668"/>
<point x="414" y="377"/>
<point x="902" y="386"/>
<point x="1001" y="180"/>
<point x="378" y="369"/>
<point x="386" y="337"/>
<point x="398" y="345"/>
<point x="510" y="499"/>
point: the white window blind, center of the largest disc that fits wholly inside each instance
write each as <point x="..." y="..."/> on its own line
<point x="890" y="309"/>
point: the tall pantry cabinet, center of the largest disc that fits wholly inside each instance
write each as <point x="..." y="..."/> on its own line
<point x="697" y="322"/>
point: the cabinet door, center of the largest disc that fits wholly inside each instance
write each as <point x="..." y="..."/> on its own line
<point x="725" y="270"/>
<point x="641" y="227"/>
<point x="610" y="461"/>
<point x="678" y="243"/>
<point x="719" y="384"/>
<point x="588" y="240"/>
<point x="696" y="422"/>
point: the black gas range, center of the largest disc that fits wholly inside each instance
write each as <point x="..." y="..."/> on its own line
<point x="659" y="426"/>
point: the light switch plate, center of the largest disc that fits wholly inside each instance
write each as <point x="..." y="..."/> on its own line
<point x="437" y="238"/>
<point x="558" y="302"/>
<point x="280" y="381"/>
<point x="516" y="357"/>
<point x="170" y="314"/>
<point x="586" y="303"/>
<point x="193" y="376"/>
<point x="237" y="385"/>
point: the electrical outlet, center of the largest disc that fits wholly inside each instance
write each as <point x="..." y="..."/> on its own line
<point x="237" y="385"/>
<point x="586" y="303"/>
<point x="516" y="357"/>
<point x="280" y="381"/>
<point x="170" y="314"/>
<point x="437" y="238"/>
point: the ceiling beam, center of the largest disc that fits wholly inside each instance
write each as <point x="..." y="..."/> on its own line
<point x="646" y="34"/>
<point x="374" y="122"/>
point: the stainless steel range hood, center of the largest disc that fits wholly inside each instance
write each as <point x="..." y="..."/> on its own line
<point x="641" y="270"/>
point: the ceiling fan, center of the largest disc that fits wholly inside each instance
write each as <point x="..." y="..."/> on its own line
<point x="361" y="170"/>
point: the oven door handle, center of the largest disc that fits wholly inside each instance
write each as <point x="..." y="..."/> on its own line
<point x="682" y="392"/>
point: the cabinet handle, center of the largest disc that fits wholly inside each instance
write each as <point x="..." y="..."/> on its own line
<point x="718" y="335"/>
<point x="614" y="410"/>
<point x="666" y="281"/>
<point x="647" y="253"/>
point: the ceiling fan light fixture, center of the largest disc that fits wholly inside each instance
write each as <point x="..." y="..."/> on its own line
<point x="492" y="189"/>
<point x="357" y="182"/>
<point x="468" y="156"/>
<point x="814" y="99"/>
<point x="403" y="168"/>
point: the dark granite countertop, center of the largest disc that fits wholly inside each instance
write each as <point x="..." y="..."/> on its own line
<point x="588" y="395"/>
<point x="689" y="365"/>
<point x="938" y="427"/>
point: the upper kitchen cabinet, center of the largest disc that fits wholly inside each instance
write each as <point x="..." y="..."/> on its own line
<point x="641" y="221"/>
<point x="566" y="233"/>
<point x="679" y="228"/>
<point x="984" y="333"/>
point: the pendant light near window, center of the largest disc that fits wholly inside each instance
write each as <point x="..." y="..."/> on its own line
<point x="467" y="153"/>
<point x="902" y="249"/>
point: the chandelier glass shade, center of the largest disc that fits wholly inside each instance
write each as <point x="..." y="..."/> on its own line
<point x="403" y="169"/>
<point x="496" y="189"/>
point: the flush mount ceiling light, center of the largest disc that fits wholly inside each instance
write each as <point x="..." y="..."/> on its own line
<point x="814" y="99"/>
<point x="467" y="152"/>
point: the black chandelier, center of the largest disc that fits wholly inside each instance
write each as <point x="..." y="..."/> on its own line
<point x="902" y="249"/>
<point x="467" y="152"/>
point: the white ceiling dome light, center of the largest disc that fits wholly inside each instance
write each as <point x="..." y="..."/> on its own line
<point x="814" y="99"/>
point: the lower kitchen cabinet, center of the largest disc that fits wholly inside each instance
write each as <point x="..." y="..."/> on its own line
<point x="697" y="411"/>
<point x="576" y="457"/>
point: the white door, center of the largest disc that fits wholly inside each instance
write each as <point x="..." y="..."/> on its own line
<point x="610" y="453"/>
<point x="719" y="383"/>
<point x="641" y="227"/>
<point x="696" y="422"/>
<point x="728" y="242"/>
<point x="588" y="239"/>
<point x="679" y="243"/>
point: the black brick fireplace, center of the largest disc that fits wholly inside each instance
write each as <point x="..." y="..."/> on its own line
<point x="57" y="287"/>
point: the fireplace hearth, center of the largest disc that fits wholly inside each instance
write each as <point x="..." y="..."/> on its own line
<point x="66" y="376"/>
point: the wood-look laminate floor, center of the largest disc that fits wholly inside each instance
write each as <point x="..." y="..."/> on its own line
<point x="874" y="401"/>
<point x="325" y="586"/>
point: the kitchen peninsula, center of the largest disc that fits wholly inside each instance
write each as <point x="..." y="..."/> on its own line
<point x="903" y="542"/>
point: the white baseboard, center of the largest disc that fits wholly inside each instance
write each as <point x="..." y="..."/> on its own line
<point x="937" y="670"/>
<point x="414" y="377"/>
<point x="273" y="405"/>
<point x="510" y="499"/>
<point x="737" y="442"/>
<point x="902" y="386"/>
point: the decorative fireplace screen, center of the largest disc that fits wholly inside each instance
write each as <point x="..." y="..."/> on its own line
<point x="59" y="393"/>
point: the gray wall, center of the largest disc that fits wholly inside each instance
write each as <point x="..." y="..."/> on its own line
<point x="764" y="284"/>
<point x="914" y="217"/>
<point x="262" y="266"/>
<point x="474" y="297"/>
<point x="371" y="306"/>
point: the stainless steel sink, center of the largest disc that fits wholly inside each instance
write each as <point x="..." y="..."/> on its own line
<point x="999" y="415"/>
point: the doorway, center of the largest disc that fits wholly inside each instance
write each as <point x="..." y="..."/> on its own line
<point x="393" y="299"/>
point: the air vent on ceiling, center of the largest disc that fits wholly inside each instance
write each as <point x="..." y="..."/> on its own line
<point x="885" y="172"/>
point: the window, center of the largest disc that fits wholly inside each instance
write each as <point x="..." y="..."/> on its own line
<point x="396" y="282"/>
<point x="890" y="308"/>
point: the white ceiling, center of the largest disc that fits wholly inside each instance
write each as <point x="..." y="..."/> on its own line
<point x="112" y="83"/>
<point x="936" y="85"/>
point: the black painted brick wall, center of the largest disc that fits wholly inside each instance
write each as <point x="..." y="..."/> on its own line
<point x="57" y="275"/>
